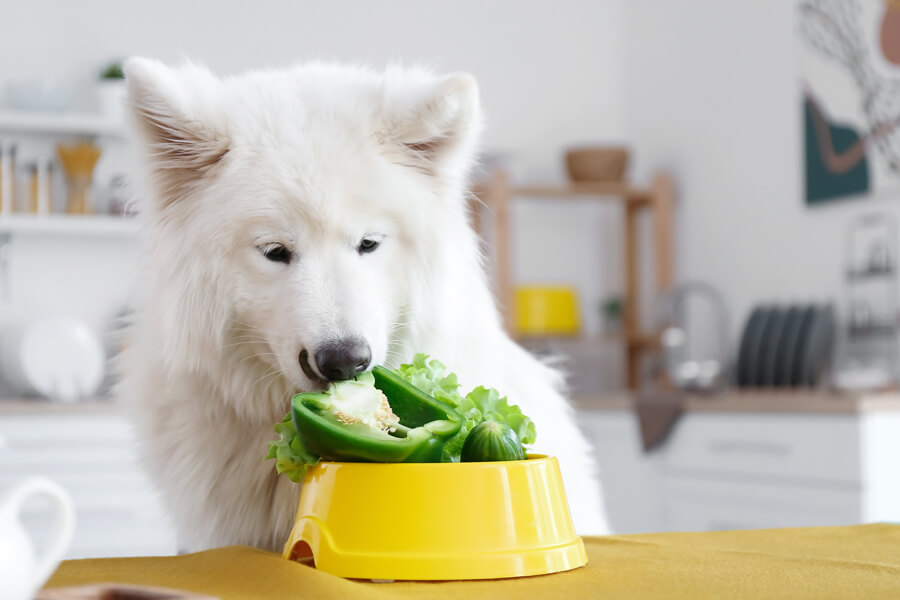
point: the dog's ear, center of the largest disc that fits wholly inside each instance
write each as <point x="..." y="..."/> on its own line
<point x="434" y="125"/>
<point x="181" y="144"/>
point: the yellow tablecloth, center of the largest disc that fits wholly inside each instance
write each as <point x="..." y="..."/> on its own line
<point x="829" y="562"/>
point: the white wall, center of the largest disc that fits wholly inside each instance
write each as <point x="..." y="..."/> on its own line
<point x="548" y="70"/>
<point x="549" y="75"/>
<point x="711" y="92"/>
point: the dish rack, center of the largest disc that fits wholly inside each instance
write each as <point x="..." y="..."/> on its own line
<point x="870" y="332"/>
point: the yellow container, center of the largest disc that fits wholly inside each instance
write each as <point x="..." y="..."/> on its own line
<point x="436" y="521"/>
<point x="546" y="311"/>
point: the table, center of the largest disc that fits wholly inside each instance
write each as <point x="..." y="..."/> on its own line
<point x="824" y="562"/>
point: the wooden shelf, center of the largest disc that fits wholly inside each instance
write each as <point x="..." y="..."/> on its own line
<point x="774" y="400"/>
<point x="591" y="191"/>
<point x="84" y="225"/>
<point x="657" y="199"/>
<point x="34" y="122"/>
<point x="32" y="406"/>
<point x="646" y="340"/>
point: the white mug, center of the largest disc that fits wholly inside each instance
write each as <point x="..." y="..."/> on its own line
<point x="22" y="572"/>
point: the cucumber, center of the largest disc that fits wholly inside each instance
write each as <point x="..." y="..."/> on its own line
<point x="492" y="441"/>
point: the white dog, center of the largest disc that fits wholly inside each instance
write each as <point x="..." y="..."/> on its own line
<point x="301" y="225"/>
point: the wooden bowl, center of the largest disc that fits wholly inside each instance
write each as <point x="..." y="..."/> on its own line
<point x="597" y="163"/>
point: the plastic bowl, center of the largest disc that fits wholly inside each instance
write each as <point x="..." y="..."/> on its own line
<point x="436" y="521"/>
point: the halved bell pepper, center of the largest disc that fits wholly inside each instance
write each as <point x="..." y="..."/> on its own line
<point x="425" y="425"/>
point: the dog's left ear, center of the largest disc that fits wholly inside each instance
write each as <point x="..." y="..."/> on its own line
<point x="433" y="127"/>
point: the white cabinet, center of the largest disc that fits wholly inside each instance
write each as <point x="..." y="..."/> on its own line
<point x="632" y="481"/>
<point x="90" y="452"/>
<point x="726" y="469"/>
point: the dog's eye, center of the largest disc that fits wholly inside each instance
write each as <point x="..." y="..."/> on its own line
<point x="367" y="245"/>
<point x="276" y="253"/>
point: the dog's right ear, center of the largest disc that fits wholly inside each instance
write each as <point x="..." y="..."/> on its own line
<point x="181" y="145"/>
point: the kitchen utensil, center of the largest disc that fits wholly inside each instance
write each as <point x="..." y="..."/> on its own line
<point x="118" y="196"/>
<point x="880" y="257"/>
<point x="59" y="358"/>
<point x="436" y="521"/>
<point x="787" y="344"/>
<point x="801" y="346"/>
<point x="22" y="572"/>
<point x="862" y="378"/>
<point x="769" y="347"/>
<point x="684" y="371"/>
<point x="7" y="178"/>
<point x="39" y="174"/>
<point x="819" y="346"/>
<point x="757" y="341"/>
<point x="546" y="311"/>
<point x="869" y="331"/>
<point x="748" y="341"/>
<point x="597" y="164"/>
<point x="78" y="161"/>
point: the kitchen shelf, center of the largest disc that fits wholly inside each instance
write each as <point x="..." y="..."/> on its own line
<point x="35" y="122"/>
<point x="586" y="191"/>
<point x="864" y="274"/>
<point x="29" y="406"/>
<point x="498" y="194"/>
<point x="85" y="225"/>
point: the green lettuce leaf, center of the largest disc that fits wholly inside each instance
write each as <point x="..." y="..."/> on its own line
<point x="292" y="458"/>
<point x="495" y="408"/>
<point x="481" y="404"/>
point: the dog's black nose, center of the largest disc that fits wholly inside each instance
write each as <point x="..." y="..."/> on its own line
<point x="343" y="359"/>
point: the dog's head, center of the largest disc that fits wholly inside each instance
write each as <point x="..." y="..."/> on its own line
<point x="292" y="212"/>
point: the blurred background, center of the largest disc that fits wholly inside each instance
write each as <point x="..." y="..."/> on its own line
<point x="692" y="203"/>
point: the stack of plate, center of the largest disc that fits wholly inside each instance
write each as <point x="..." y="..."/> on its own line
<point x="786" y="346"/>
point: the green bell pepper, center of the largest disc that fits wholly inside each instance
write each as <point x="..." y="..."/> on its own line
<point x="425" y="424"/>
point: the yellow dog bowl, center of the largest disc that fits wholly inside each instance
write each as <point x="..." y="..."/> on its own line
<point x="546" y="310"/>
<point x="436" y="521"/>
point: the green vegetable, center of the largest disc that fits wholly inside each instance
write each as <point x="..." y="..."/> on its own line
<point x="491" y="441"/>
<point x="479" y="405"/>
<point x="379" y="417"/>
<point x="411" y="414"/>
<point x="291" y="457"/>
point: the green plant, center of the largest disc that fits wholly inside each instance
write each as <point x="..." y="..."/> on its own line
<point x="612" y="307"/>
<point x="113" y="71"/>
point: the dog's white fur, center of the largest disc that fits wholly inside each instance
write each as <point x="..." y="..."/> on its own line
<point x="315" y="158"/>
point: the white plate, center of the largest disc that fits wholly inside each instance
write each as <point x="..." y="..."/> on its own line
<point x="58" y="358"/>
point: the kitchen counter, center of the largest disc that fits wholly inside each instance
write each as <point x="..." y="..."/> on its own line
<point x="37" y="406"/>
<point x="765" y="401"/>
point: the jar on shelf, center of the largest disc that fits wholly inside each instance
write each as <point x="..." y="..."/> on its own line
<point x="78" y="161"/>
<point x="7" y="178"/>
<point x="39" y="177"/>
